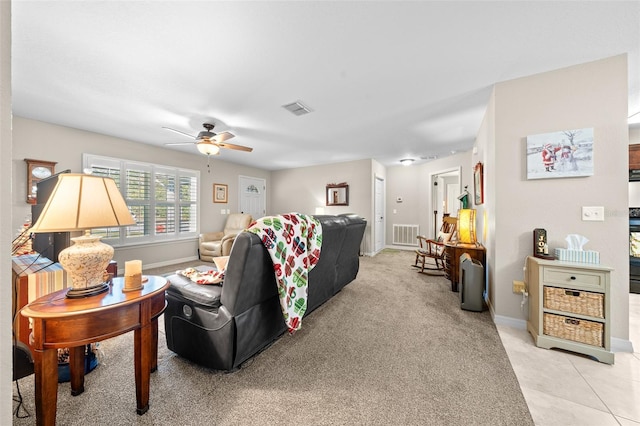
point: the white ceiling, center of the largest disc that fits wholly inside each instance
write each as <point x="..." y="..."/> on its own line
<point x="385" y="80"/>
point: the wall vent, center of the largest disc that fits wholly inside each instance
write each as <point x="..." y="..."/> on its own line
<point x="297" y="108"/>
<point x="405" y="235"/>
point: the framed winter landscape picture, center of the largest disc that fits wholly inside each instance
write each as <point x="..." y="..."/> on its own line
<point x="567" y="153"/>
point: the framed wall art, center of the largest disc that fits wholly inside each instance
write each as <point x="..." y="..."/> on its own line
<point x="478" y="183"/>
<point x="567" y="153"/>
<point x="220" y="192"/>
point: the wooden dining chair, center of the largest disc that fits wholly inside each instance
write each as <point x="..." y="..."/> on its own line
<point x="434" y="249"/>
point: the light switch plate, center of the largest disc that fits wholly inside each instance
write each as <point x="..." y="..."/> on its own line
<point x="593" y="213"/>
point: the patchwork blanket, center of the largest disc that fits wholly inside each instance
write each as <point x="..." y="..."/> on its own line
<point x="294" y="242"/>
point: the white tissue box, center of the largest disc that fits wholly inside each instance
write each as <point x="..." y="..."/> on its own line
<point x="583" y="256"/>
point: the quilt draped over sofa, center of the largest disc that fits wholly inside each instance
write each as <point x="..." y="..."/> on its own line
<point x="294" y="242"/>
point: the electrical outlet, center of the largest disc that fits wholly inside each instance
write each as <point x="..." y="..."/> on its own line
<point x="518" y="287"/>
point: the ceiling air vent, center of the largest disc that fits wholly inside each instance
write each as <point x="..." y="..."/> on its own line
<point x="296" y="108"/>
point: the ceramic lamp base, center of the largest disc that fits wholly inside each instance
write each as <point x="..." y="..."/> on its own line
<point x="85" y="261"/>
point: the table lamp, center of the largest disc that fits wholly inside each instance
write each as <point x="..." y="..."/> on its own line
<point x="79" y="203"/>
<point x="467" y="226"/>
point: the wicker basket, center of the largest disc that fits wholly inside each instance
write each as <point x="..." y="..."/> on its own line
<point x="578" y="330"/>
<point x="574" y="301"/>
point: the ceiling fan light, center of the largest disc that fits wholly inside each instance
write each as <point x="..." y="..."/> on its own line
<point x="208" y="148"/>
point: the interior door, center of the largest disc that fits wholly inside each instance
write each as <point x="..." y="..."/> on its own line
<point x="252" y="196"/>
<point x="379" y="215"/>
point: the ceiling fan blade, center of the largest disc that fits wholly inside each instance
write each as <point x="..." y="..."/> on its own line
<point x="223" y="136"/>
<point x="181" y="143"/>
<point x="236" y="147"/>
<point x="178" y="131"/>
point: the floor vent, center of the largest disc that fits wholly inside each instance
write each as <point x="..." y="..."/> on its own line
<point x="405" y="235"/>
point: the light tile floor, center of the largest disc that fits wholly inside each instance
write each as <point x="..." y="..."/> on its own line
<point x="565" y="389"/>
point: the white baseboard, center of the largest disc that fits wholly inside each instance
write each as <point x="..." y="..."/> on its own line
<point x="407" y="248"/>
<point x="510" y="322"/>
<point x="621" y="345"/>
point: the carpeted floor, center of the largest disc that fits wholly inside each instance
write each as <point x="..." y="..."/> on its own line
<point x="393" y="347"/>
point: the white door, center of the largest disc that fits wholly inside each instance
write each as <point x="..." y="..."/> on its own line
<point x="379" y="215"/>
<point x="252" y="196"/>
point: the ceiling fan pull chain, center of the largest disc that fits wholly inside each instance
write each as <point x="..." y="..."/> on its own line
<point x="208" y="167"/>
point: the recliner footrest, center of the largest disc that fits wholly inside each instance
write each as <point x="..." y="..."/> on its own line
<point x="206" y="295"/>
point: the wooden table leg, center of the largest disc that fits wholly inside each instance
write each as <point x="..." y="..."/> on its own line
<point x="143" y="338"/>
<point x="154" y="345"/>
<point x="76" y="368"/>
<point x="46" y="378"/>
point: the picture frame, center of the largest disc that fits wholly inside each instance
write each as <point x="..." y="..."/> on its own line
<point x="478" y="183"/>
<point x="220" y="193"/>
<point x="562" y="154"/>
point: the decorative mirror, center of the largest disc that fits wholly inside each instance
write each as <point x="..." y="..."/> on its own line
<point x="338" y="194"/>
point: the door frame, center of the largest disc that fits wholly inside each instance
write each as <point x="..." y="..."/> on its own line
<point x="435" y="200"/>
<point x="375" y="228"/>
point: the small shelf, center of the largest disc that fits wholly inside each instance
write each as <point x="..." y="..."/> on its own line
<point x="577" y="277"/>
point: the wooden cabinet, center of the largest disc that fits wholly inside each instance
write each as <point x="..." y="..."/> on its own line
<point x="452" y="253"/>
<point x="634" y="157"/>
<point x="570" y="307"/>
<point x="33" y="276"/>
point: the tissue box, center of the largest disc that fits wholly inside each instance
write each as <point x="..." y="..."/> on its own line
<point x="583" y="256"/>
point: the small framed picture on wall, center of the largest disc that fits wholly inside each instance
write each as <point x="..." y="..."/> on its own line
<point x="220" y="193"/>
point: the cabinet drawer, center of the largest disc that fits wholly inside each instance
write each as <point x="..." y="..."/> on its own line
<point x="574" y="301"/>
<point x="570" y="278"/>
<point x="578" y="330"/>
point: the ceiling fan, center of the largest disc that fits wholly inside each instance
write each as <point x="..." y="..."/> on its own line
<point x="209" y="143"/>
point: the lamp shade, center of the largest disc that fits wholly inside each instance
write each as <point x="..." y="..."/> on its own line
<point x="467" y="226"/>
<point x="80" y="202"/>
<point x="207" y="147"/>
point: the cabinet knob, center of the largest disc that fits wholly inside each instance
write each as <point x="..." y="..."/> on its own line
<point x="573" y="278"/>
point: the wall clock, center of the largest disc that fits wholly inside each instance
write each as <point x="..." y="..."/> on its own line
<point x="36" y="171"/>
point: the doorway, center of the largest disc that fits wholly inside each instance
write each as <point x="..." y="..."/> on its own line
<point x="252" y="196"/>
<point x="445" y="189"/>
<point x="379" y="227"/>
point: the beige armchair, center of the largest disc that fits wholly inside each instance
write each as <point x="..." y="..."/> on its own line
<point x="215" y="244"/>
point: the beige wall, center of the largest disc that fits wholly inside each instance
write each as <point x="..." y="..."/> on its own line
<point x="45" y="141"/>
<point x="302" y="189"/>
<point x="6" y="234"/>
<point x="413" y="184"/>
<point x="588" y="95"/>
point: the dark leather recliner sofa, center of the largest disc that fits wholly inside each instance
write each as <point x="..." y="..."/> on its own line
<point x="221" y="327"/>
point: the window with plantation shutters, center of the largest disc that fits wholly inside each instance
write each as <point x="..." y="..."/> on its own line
<point x="187" y="220"/>
<point x="163" y="200"/>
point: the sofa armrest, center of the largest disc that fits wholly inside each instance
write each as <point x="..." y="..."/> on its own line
<point x="226" y="243"/>
<point x="210" y="236"/>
